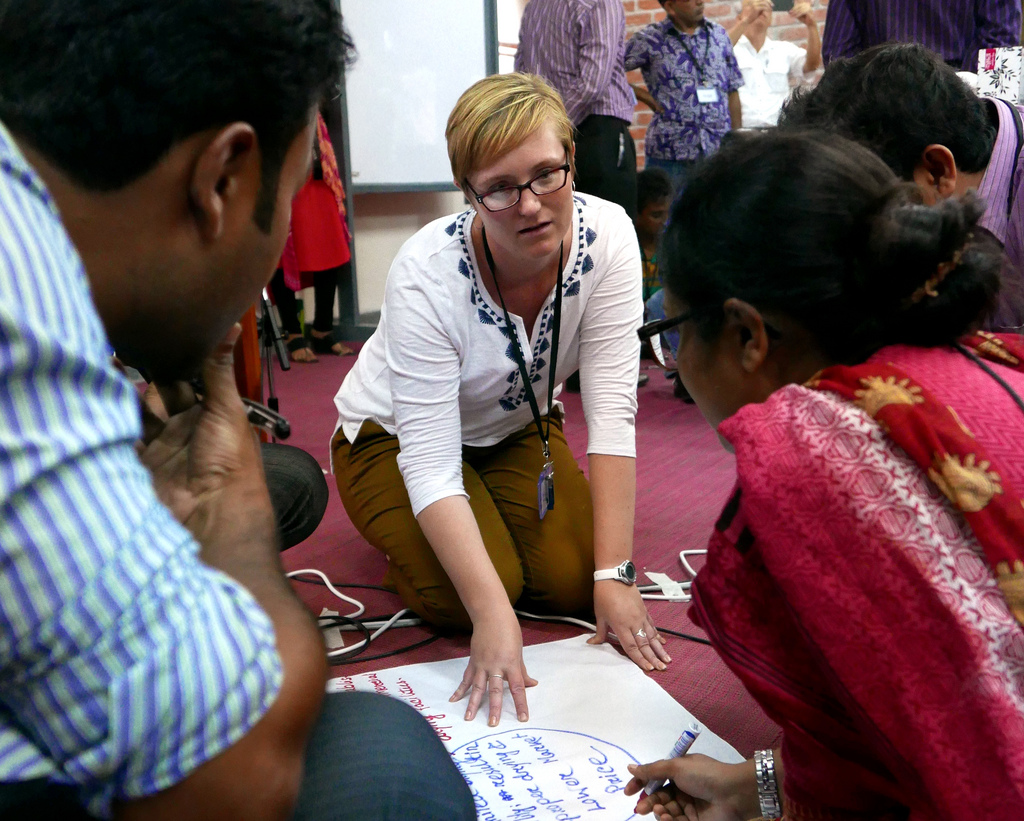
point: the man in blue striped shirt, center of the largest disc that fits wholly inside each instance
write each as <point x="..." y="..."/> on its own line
<point x="154" y="662"/>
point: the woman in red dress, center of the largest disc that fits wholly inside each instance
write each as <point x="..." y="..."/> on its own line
<point x="866" y="579"/>
<point x="317" y="254"/>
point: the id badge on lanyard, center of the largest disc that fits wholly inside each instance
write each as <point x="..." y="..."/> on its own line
<point x="546" y="489"/>
<point x="546" y="480"/>
<point x="707" y="95"/>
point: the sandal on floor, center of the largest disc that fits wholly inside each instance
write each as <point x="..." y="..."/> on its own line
<point x="327" y="344"/>
<point x="299" y="350"/>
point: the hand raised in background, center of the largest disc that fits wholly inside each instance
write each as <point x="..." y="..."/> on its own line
<point x="802" y="12"/>
<point x="750" y="12"/>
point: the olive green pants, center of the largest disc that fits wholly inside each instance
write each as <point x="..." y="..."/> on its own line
<point x="545" y="566"/>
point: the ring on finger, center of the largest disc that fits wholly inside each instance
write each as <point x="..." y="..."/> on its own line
<point x="496" y="675"/>
<point x="641" y="633"/>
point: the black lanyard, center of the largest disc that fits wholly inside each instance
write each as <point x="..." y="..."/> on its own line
<point x="518" y="350"/>
<point x="693" y="58"/>
<point x="977" y="360"/>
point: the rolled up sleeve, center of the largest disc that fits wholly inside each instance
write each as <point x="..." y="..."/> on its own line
<point x="610" y="347"/>
<point x="425" y="371"/>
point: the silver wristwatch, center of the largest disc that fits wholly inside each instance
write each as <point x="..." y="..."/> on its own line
<point x="625" y="573"/>
<point x="767" y="784"/>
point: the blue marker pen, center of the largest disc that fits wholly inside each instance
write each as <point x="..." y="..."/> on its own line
<point x="678" y="749"/>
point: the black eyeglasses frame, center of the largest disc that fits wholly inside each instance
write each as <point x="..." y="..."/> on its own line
<point x="566" y="167"/>
<point x="658" y="326"/>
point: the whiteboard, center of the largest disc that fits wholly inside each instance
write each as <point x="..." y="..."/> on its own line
<point x="414" y="60"/>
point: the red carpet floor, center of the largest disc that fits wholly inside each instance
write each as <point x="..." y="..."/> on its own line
<point x="683" y="478"/>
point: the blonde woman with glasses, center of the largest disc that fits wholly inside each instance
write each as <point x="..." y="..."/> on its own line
<point x="449" y="452"/>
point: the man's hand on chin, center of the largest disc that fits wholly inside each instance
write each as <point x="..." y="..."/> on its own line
<point x="203" y="455"/>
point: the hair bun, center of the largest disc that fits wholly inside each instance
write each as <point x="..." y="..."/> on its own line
<point x="924" y="268"/>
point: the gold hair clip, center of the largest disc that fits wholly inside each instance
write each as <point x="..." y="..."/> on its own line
<point x="941" y="272"/>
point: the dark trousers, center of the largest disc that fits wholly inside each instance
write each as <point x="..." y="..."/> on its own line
<point x="325" y="284"/>
<point x="606" y="161"/>
<point x="370" y="758"/>
<point x="298" y="491"/>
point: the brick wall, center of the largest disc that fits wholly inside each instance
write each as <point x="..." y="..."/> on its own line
<point x="640" y="13"/>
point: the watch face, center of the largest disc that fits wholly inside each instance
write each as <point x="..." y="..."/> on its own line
<point x="629" y="572"/>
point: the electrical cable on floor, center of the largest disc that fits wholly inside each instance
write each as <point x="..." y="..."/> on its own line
<point x="399" y="651"/>
<point x="367" y="639"/>
<point x="360" y="607"/>
<point x="357" y="655"/>
<point x="593" y="627"/>
<point x="347" y="586"/>
<point x="380" y="624"/>
<point x="682" y="558"/>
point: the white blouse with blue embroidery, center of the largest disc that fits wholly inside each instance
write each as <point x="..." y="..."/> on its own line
<point x="439" y="370"/>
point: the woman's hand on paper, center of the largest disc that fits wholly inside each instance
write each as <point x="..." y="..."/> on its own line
<point x="699" y="789"/>
<point x="495" y="657"/>
<point x="620" y="608"/>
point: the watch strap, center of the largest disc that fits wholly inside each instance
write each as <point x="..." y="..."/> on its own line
<point x="767" y="784"/>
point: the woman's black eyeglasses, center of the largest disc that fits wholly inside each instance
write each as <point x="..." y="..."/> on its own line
<point x="650" y="333"/>
<point x="546" y="182"/>
<point x="659" y="326"/>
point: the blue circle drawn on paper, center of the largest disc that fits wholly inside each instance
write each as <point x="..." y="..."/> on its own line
<point x="601" y="741"/>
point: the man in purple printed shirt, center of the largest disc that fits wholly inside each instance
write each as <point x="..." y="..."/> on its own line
<point x="909" y="107"/>
<point x="955" y="29"/>
<point x="577" y="46"/>
<point x="693" y="79"/>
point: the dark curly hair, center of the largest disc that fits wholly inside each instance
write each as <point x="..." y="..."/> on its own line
<point x="818" y="229"/>
<point x="104" y="88"/>
<point x="897" y="99"/>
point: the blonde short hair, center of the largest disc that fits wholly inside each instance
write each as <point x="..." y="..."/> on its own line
<point x="496" y="115"/>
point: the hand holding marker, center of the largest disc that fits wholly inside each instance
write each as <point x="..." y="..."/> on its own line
<point x="678" y="749"/>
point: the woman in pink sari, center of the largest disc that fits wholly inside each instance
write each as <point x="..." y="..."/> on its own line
<point x="865" y="580"/>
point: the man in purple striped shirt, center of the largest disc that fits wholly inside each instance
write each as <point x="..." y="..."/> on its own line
<point x="955" y="29"/>
<point x="909" y="107"/>
<point x="578" y="47"/>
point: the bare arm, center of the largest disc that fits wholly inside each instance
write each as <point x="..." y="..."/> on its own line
<point x="613" y="491"/>
<point x="735" y="110"/>
<point x="497" y="644"/>
<point x="802" y="12"/>
<point x="747" y="16"/>
<point x="206" y="467"/>
<point x="619" y="607"/>
<point x="703" y="786"/>
<point x="648" y="99"/>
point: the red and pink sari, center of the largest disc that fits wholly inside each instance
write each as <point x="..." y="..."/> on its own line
<point x="866" y="583"/>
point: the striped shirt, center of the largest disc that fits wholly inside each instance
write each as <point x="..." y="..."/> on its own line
<point x="578" y="46"/>
<point x="956" y="29"/>
<point x="1000" y="187"/>
<point x="125" y="662"/>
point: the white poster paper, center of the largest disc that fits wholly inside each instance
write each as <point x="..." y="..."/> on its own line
<point x="592" y="713"/>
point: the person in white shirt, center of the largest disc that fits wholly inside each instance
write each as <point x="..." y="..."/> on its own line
<point x="444" y="421"/>
<point x="771" y="68"/>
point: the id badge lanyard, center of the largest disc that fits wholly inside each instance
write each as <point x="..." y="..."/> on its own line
<point x="705" y="93"/>
<point x="546" y="481"/>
